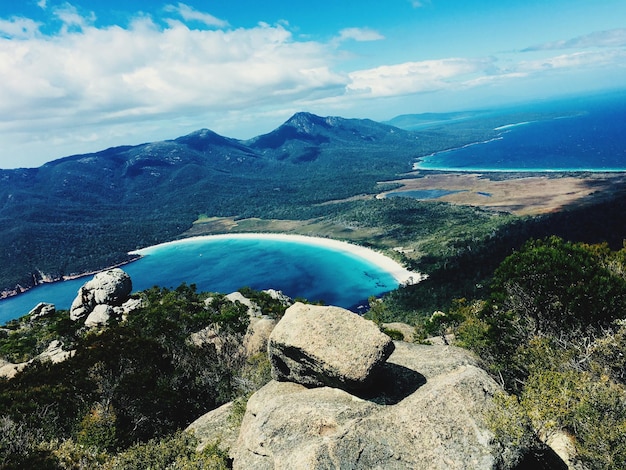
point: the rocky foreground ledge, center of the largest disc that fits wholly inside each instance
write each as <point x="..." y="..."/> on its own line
<point x="390" y="405"/>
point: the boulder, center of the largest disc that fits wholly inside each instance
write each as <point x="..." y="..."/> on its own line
<point x="127" y="307"/>
<point x="99" y="316"/>
<point x="216" y="426"/>
<point x="278" y="295"/>
<point x="42" y="309"/>
<point x="253" y="308"/>
<point x="428" y="412"/>
<point x="55" y="353"/>
<point x="327" y="346"/>
<point x="112" y="287"/>
<point x="407" y="330"/>
<point x="257" y="335"/>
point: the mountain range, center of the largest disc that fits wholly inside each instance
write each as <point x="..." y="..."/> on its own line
<point x="85" y="212"/>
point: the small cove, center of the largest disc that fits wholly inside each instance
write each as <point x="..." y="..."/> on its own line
<point x="298" y="267"/>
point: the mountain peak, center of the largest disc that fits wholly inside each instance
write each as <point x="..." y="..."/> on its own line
<point x="307" y="122"/>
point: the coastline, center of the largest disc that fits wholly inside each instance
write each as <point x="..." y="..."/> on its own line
<point x="7" y="294"/>
<point x="395" y="269"/>
<point x="402" y="275"/>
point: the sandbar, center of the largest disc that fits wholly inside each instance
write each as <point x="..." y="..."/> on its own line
<point x="395" y="269"/>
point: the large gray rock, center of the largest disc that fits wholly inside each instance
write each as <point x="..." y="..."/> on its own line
<point x="112" y="287"/>
<point x="216" y="426"/>
<point x="257" y="335"/>
<point x="99" y="316"/>
<point x="317" y="346"/>
<point x="429" y="413"/>
<point x="42" y="309"/>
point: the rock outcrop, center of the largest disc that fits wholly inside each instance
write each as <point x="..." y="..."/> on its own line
<point x="427" y="411"/>
<point x="42" y="309"/>
<point x="257" y="335"/>
<point x="54" y="353"/>
<point x="425" y="407"/>
<point x="317" y="346"/>
<point x="109" y="288"/>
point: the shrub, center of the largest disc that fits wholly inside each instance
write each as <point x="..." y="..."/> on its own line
<point x="173" y="452"/>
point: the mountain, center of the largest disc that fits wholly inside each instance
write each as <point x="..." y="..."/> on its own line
<point x="305" y="137"/>
<point x="85" y="212"/>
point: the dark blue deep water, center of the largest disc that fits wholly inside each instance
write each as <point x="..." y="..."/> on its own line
<point x="313" y="272"/>
<point x="590" y="135"/>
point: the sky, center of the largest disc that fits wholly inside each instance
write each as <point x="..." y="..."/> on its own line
<point x="80" y="76"/>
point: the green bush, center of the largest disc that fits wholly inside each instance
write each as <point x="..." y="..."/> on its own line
<point x="98" y="428"/>
<point x="558" y="287"/>
<point x="176" y="452"/>
<point x="395" y="335"/>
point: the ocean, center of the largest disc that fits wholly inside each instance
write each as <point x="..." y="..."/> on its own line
<point x="589" y="135"/>
<point x="336" y="277"/>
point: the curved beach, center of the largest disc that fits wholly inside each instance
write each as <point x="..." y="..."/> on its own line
<point x="395" y="269"/>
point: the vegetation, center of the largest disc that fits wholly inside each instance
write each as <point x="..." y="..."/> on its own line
<point x="552" y="332"/>
<point x="130" y="388"/>
<point x="142" y="195"/>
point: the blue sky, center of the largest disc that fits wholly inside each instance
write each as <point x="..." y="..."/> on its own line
<point x="82" y="75"/>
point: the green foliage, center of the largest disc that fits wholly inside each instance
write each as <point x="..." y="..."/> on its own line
<point x="592" y="411"/>
<point x="549" y="334"/>
<point x="139" y="379"/>
<point x="270" y="306"/>
<point x="25" y="338"/>
<point x="20" y="447"/>
<point x="395" y="335"/>
<point x="512" y="429"/>
<point x="177" y="451"/>
<point x="98" y="428"/>
<point x="548" y="289"/>
<point x="378" y="311"/>
<point x="558" y="286"/>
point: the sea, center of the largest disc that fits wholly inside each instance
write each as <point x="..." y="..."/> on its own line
<point x="582" y="134"/>
<point x="298" y="269"/>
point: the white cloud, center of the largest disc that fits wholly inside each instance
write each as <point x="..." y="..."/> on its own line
<point x="415" y="77"/>
<point x="19" y="28"/>
<point x="609" y="38"/>
<point x="144" y="72"/>
<point x="84" y="88"/>
<point x="43" y="4"/>
<point x="188" y="13"/>
<point x="71" y="18"/>
<point x="359" y="34"/>
<point x="578" y="61"/>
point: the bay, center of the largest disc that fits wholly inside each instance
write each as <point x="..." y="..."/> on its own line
<point x="221" y="264"/>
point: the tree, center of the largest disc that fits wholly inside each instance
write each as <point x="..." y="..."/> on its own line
<point x="558" y="287"/>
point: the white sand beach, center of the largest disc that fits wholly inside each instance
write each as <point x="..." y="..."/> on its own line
<point x="399" y="272"/>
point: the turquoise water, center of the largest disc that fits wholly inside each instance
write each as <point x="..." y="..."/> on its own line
<point x="589" y="136"/>
<point x="225" y="265"/>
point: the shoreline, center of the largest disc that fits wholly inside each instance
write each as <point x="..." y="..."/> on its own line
<point x="9" y="294"/>
<point x="385" y="263"/>
<point x="402" y="275"/>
